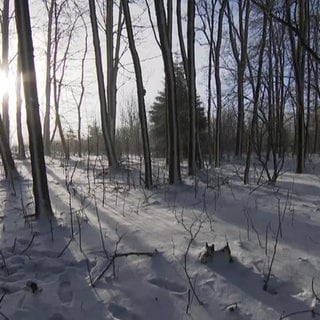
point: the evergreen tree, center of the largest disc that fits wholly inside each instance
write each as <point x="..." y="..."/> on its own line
<point x="158" y="118"/>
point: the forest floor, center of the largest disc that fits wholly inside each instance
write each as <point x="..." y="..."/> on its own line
<point x="114" y="250"/>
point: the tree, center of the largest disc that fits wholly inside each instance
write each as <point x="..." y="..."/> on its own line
<point x="113" y="59"/>
<point x="158" y="118"/>
<point x="21" y="149"/>
<point x="298" y="52"/>
<point x="5" y="65"/>
<point x="256" y="80"/>
<point x="39" y="175"/>
<point x="238" y="35"/>
<point x="101" y="87"/>
<point x="140" y="94"/>
<point x="48" y="82"/>
<point x="190" y="72"/>
<point x="6" y="156"/>
<point x="173" y="131"/>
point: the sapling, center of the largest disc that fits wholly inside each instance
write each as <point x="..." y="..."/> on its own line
<point x="281" y="216"/>
<point x="193" y="230"/>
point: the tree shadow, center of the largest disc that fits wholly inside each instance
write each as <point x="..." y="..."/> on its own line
<point x="280" y="295"/>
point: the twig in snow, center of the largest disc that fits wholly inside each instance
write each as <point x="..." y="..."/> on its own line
<point x="14" y="245"/>
<point x="4" y="262"/>
<point x="118" y="255"/>
<point x="65" y="248"/>
<point x="313" y="313"/>
<point x="29" y="244"/>
<point x="3" y="294"/>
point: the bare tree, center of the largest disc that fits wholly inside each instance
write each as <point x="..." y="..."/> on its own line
<point x="102" y="95"/>
<point x="174" y="157"/>
<point x="6" y="156"/>
<point x="21" y="149"/>
<point x="48" y="82"/>
<point x="140" y="93"/>
<point x="256" y="85"/>
<point x="79" y="100"/>
<point x="238" y="34"/>
<point x="39" y="175"/>
<point x="298" y="52"/>
<point x="5" y="65"/>
<point x="113" y="58"/>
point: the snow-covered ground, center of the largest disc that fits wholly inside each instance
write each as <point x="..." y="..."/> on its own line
<point x="117" y="251"/>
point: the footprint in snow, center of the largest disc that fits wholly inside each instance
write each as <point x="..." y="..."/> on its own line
<point x="64" y="291"/>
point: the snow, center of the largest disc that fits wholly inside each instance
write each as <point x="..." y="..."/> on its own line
<point x="141" y="248"/>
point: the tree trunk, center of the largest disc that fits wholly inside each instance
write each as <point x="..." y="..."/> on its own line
<point x="140" y="93"/>
<point x="192" y="95"/>
<point x="217" y="48"/>
<point x="5" y="66"/>
<point x="256" y="94"/>
<point x="39" y="175"/>
<point x="21" y="149"/>
<point x="46" y="122"/>
<point x="6" y="156"/>
<point x="101" y="87"/>
<point x="298" y="59"/>
<point x="173" y="132"/>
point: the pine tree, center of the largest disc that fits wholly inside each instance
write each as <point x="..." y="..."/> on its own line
<point x="158" y="118"/>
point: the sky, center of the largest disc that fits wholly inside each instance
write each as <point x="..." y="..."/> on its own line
<point x="150" y="56"/>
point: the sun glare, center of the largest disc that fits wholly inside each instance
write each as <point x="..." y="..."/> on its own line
<point x="8" y="86"/>
<point x="4" y="85"/>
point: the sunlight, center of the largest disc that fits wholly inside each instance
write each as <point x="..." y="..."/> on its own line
<point x="4" y="84"/>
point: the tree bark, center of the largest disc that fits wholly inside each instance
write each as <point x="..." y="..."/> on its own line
<point x="21" y="149"/>
<point x="140" y="93"/>
<point x="5" y="66"/>
<point x="174" y="156"/>
<point x="256" y="94"/>
<point x="101" y="87"/>
<point x="192" y="95"/>
<point x="46" y="122"/>
<point x="39" y="175"/>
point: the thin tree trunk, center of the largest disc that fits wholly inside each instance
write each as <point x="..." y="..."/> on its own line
<point x="256" y="94"/>
<point x="298" y="59"/>
<point x="21" y="149"/>
<point x="5" y="66"/>
<point x="140" y="93"/>
<point x="173" y="132"/>
<point x="39" y="175"/>
<point x="46" y="122"/>
<point x="101" y="87"/>
<point x="191" y="79"/>
<point x="217" y="48"/>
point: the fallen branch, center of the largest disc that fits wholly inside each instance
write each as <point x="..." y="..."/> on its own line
<point x="113" y="258"/>
<point x="311" y="311"/>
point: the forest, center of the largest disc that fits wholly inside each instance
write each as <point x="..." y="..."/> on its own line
<point x="136" y="133"/>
